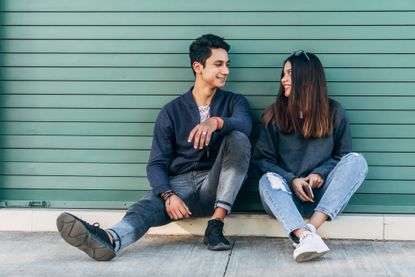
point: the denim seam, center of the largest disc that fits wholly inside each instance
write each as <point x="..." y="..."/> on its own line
<point x="349" y="195"/>
<point x="221" y="188"/>
<point x="344" y="202"/>
<point x="268" y="195"/>
<point x="353" y="189"/>
<point x="223" y="202"/>
<point x="224" y="206"/>
<point x="222" y="155"/>
<point x="326" y="212"/>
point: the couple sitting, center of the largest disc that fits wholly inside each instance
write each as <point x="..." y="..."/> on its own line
<point x="201" y="153"/>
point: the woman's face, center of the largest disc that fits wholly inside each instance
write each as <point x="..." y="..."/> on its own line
<point x="286" y="79"/>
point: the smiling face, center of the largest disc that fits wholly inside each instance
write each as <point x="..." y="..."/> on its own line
<point x="215" y="71"/>
<point x="286" y="79"/>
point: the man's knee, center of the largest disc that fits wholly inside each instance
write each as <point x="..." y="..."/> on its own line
<point x="238" y="140"/>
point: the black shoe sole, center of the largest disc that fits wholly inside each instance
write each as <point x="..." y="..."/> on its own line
<point x="217" y="247"/>
<point x="76" y="234"/>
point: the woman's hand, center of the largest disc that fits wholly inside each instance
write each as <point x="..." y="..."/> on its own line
<point x="315" y="180"/>
<point x="297" y="186"/>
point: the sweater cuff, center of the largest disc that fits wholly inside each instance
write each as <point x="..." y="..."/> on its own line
<point x="160" y="189"/>
<point x="289" y="177"/>
<point x="219" y="122"/>
<point x="320" y="172"/>
<point x="226" y="126"/>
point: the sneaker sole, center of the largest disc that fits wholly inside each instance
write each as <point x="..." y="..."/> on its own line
<point x="217" y="247"/>
<point x="308" y="256"/>
<point x="77" y="235"/>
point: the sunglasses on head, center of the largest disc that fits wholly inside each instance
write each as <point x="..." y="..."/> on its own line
<point x="299" y="53"/>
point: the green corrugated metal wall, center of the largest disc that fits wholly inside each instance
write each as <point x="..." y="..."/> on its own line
<point x="82" y="83"/>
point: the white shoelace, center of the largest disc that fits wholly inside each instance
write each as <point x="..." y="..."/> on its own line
<point x="305" y="235"/>
<point x="311" y="229"/>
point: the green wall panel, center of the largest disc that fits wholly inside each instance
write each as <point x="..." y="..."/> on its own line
<point x="156" y="102"/>
<point x="77" y="142"/>
<point x="46" y="115"/>
<point x="122" y="87"/>
<point x="181" y="60"/>
<point x="80" y="183"/>
<point x="214" y="5"/>
<point x="75" y="155"/>
<point x="185" y="74"/>
<point x="146" y="129"/>
<point x="239" y="46"/>
<point x="144" y="143"/>
<point x="199" y="18"/>
<point x="189" y="32"/>
<point x="82" y="83"/>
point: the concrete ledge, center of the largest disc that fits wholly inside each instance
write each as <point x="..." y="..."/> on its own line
<point x="348" y="226"/>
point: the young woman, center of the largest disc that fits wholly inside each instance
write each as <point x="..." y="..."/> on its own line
<point x="304" y="156"/>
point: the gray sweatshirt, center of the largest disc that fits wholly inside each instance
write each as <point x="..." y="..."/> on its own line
<point x="292" y="155"/>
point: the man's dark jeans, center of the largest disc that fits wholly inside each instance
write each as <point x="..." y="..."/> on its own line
<point x="202" y="191"/>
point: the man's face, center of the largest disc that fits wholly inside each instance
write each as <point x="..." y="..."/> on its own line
<point x="216" y="69"/>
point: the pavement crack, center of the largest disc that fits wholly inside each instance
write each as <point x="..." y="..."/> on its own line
<point x="229" y="258"/>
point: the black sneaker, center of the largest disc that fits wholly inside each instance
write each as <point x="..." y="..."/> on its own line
<point x="214" y="238"/>
<point x="89" y="238"/>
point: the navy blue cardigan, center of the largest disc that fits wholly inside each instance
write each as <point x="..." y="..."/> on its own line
<point x="172" y="155"/>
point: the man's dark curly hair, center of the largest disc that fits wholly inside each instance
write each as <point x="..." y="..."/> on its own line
<point x="200" y="49"/>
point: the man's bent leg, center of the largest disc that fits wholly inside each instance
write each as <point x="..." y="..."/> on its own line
<point x="228" y="172"/>
<point x="222" y="185"/>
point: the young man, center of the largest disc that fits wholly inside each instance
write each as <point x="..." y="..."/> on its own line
<point x="198" y="161"/>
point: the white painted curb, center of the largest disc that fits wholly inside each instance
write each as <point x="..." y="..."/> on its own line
<point x="348" y="226"/>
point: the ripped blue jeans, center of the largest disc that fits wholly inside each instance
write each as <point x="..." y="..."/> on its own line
<point x="342" y="182"/>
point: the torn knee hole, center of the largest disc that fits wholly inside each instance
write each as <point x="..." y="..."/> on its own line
<point x="276" y="182"/>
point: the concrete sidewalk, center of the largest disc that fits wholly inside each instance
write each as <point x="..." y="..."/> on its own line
<point x="46" y="254"/>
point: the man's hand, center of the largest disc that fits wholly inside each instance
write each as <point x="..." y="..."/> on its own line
<point x="315" y="180"/>
<point x="298" y="185"/>
<point x="176" y="208"/>
<point x="202" y="133"/>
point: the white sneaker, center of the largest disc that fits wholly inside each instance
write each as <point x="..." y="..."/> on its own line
<point x="311" y="246"/>
<point x="311" y="228"/>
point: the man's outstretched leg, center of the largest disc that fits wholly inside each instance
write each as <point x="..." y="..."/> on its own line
<point x="101" y="244"/>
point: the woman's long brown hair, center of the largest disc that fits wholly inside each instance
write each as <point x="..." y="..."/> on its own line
<point x="308" y="96"/>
